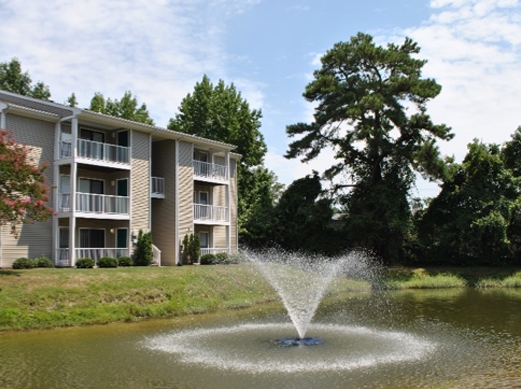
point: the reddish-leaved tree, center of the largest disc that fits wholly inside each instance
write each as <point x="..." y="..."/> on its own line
<point x="23" y="192"/>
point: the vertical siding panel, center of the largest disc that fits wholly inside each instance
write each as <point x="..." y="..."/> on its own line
<point x="219" y="237"/>
<point x="35" y="239"/>
<point x="186" y="190"/>
<point x="163" y="210"/>
<point x="233" y="205"/>
<point x="140" y="185"/>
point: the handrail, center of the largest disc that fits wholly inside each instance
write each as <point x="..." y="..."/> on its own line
<point x="157" y="186"/>
<point x="210" y="170"/>
<point x="210" y="213"/>
<point x="100" y="203"/>
<point x="156" y="255"/>
<point x="96" y="150"/>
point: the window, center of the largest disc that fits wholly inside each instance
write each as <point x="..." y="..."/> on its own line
<point x="92" y="238"/>
<point x="89" y="185"/>
<point x="87" y="199"/>
<point x="92" y="135"/>
<point x="203" y="238"/>
<point x="91" y="243"/>
<point x="204" y="209"/>
<point x="65" y="193"/>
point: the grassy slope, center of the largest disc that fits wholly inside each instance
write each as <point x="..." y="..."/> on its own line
<point x="44" y="298"/>
<point x="47" y="298"/>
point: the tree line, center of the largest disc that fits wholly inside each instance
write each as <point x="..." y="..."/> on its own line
<point x="371" y="110"/>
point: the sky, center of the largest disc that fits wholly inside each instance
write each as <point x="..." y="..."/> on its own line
<point x="159" y="49"/>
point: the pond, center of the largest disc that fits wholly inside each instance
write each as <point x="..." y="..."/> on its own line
<point x="423" y="338"/>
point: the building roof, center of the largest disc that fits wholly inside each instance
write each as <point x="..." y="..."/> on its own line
<point x="49" y="110"/>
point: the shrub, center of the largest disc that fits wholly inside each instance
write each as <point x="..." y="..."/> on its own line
<point x="43" y="261"/>
<point x="84" y="263"/>
<point x="235" y="259"/>
<point x="23" y="263"/>
<point x="191" y="248"/>
<point x="222" y="258"/>
<point x="208" y="259"/>
<point x="143" y="254"/>
<point x="125" y="261"/>
<point x="107" y="262"/>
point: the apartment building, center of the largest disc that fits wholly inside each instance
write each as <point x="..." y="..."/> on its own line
<point x="112" y="177"/>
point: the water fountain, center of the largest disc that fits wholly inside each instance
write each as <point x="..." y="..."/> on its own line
<point x="301" y="282"/>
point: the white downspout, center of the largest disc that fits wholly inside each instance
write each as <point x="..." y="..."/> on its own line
<point x="73" y="185"/>
<point x="228" y="227"/>
<point x="176" y="204"/>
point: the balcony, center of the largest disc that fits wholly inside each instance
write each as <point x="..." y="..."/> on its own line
<point x="210" y="214"/>
<point x="157" y="188"/>
<point x="214" y="251"/>
<point x="210" y="171"/>
<point x="63" y="255"/>
<point x="97" y="151"/>
<point x="96" y="204"/>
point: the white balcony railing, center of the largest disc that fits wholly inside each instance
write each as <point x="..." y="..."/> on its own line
<point x="157" y="186"/>
<point x="63" y="255"/>
<point x="97" y="151"/>
<point x="210" y="213"/>
<point x="210" y="170"/>
<point x="99" y="203"/>
<point x="95" y="203"/>
<point x="214" y="251"/>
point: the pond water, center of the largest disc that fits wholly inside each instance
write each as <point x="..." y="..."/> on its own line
<point x="425" y="338"/>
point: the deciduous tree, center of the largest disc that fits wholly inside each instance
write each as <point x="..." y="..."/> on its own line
<point x="475" y="219"/>
<point x="126" y="108"/>
<point x="23" y="193"/>
<point x="12" y="79"/>
<point x="220" y="112"/>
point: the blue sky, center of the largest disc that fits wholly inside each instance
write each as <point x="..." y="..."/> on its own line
<point x="159" y="49"/>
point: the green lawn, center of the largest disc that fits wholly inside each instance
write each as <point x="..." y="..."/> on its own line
<point x="48" y="298"/>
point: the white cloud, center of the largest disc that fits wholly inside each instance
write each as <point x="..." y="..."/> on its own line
<point x="156" y="49"/>
<point x="473" y="52"/>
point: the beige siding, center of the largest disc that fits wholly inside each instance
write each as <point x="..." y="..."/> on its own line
<point x="163" y="210"/>
<point x="186" y="190"/>
<point x="219" y="237"/>
<point x="140" y="183"/>
<point x="219" y="195"/>
<point x="35" y="239"/>
<point x="233" y="205"/>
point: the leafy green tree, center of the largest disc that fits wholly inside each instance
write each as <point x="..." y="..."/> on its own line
<point x="476" y="214"/>
<point x="143" y="254"/>
<point x="12" y="79"/>
<point x="371" y="110"/>
<point x="126" y="108"/>
<point x="302" y="218"/>
<point x="23" y="192"/>
<point x="256" y="206"/>
<point x="511" y="153"/>
<point x="72" y="101"/>
<point x="219" y="112"/>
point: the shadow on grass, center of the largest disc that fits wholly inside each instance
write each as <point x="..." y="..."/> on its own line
<point x="9" y="273"/>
